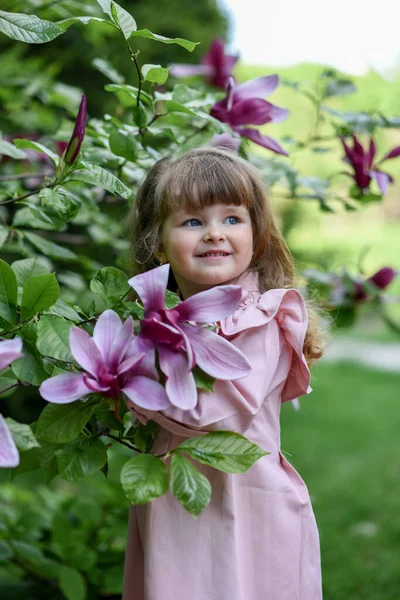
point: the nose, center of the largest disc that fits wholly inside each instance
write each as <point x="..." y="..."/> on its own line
<point x="214" y="232"/>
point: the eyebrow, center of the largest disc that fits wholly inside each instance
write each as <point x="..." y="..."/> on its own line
<point x="227" y="208"/>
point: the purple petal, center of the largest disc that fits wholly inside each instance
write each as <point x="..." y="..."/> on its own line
<point x="383" y="277"/>
<point x="393" y="153"/>
<point x="358" y="149"/>
<point x="215" y="355"/>
<point x="147" y="365"/>
<point x="64" y="388"/>
<point x="105" y="331"/>
<point x="74" y="145"/>
<point x="146" y="393"/>
<point x="94" y="385"/>
<point x="371" y="153"/>
<point x="382" y="179"/>
<point x="180" y="385"/>
<point x="230" y="89"/>
<point x="10" y="350"/>
<point x="211" y="305"/>
<point x="151" y="287"/>
<point x="129" y="363"/>
<point x="159" y="332"/>
<point x="179" y="71"/>
<point x="121" y="343"/>
<point x="250" y="112"/>
<point x="9" y="457"/>
<point x="262" y="140"/>
<point x="257" y="88"/>
<point x="225" y="140"/>
<point x="85" y="351"/>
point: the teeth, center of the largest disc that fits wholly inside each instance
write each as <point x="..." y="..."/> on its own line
<point x="215" y="254"/>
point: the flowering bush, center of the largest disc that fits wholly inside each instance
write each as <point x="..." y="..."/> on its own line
<point x="89" y="348"/>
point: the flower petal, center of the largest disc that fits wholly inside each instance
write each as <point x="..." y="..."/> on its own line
<point x="151" y="287"/>
<point x="253" y="111"/>
<point x="383" y="277"/>
<point x="178" y="70"/>
<point x="394" y="153"/>
<point x="10" y="350"/>
<point x="215" y="355"/>
<point x="64" y="388"/>
<point x="85" y="351"/>
<point x="105" y="331"/>
<point x="129" y="363"/>
<point x="146" y="393"/>
<point x="9" y="457"/>
<point x="211" y="305"/>
<point x="262" y="140"/>
<point x="180" y="385"/>
<point x="257" y="88"/>
<point x="225" y="140"/>
<point x="121" y="343"/>
<point x="147" y="365"/>
<point x="382" y="179"/>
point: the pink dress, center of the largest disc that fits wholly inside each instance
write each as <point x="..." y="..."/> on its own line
<point x="257" y="539"/>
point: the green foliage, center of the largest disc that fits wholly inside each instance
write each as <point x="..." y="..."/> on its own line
<point x="143" y="478"/>
<point x="188" y="485"/>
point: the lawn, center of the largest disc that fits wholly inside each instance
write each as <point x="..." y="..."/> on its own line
<point x="345" y="444"/>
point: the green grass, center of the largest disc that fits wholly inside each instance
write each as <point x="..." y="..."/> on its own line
<point x="345" y="444"/>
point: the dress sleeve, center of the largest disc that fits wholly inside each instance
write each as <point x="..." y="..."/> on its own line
<point x="255" y="330"/>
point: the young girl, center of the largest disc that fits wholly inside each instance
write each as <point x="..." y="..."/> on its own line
<point x="206" y="213"/>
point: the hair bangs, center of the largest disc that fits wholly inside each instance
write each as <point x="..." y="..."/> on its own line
<point x="192" y="185"/>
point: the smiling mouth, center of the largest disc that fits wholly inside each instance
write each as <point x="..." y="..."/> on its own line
<point x="213" y="255"/>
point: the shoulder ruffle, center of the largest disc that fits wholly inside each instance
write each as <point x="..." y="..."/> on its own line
<point x="288" y="308"/>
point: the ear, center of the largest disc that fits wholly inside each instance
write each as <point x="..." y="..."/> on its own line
<point x="160" y="255"/>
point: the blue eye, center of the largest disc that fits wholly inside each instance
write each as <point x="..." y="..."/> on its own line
<point x="232" y="220"/>
<point x="191" y="221"/>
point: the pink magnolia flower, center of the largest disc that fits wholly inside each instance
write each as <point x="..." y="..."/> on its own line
<point x="10" y="350"/>
<point x="381" y="279"/>
<point x="74" y="145"/>
<point x="182" y="345"/>
<point x="225" y="140"/>
<point x="245" y="105"/>
<point x="111" y="363"/>
<point x="362" y="163"/>
<point x="216" y="66"/>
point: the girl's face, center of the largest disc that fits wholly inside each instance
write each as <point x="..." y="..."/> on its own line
<point x="208" y="247"/>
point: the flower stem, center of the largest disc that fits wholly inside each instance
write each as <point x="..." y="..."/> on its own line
<point x="131" y="447"/>
<point x="135" y="61"/>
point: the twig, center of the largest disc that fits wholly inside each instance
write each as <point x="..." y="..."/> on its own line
<point x="113" y="437"/>
<point x="26" y="195"/>
<point x="134" y="59"/>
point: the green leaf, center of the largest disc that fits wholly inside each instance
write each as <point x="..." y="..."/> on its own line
<point x="123" y="144"/>
<point x="5" y="382"/>
<point x="139" y="115"/>
<point x="105" y="6"/>
<point x="171" y="299"/>
<point x="101" y="178"/>
<point x="145" y="33"/>
<point x="28" y="267"/>
<point x="9" y="149"/>
<point x="3" y="235"/>
<point x="33" y="555"/>
<point x="53" y="337"/>
<point x="65" y="24"/>
<point x="188" y="485"/>
<point x="63" y="309"/>
<point x="110" y="283"/>
<point x="173" y="106"/>
<point x="143" y="478"/>
<point x="23" y="435"/>
<point x="62" y="423"/>
<point x="39" y="293"/>
<point x="72" y="583"/>
<point x="108" y="70"/>
<point x="5" y="551"/>
<point x="81" y="458"/>
<point x="127" y="94"/>
<point x="29" y="367"/>
<point x="340" y="87"/>
<point x="202" y="380"/>
<point x="62" y="203"/>
<point x="37" y="213"/>
<point x="23" y="143"/>
<point x="144" y="435"/>
<point x="8" y="295"/>
<point x="28" y="28"/>
<point x="223" y="450"/>
<point x="50" y="248"/>
<point x="123" y="19"/>
<point x="155" y="73"/>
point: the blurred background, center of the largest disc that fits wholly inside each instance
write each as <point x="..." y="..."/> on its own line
<point x="344" y="440"/>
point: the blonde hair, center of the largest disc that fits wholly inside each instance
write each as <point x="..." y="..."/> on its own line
<point x="203" y="177"/>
